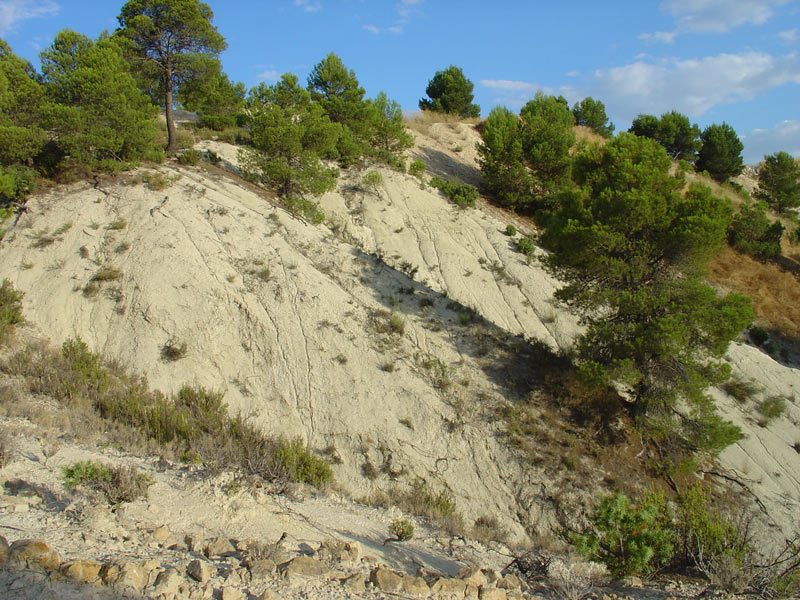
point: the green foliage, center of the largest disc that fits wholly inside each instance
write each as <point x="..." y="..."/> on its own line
<point x="212" y="95"/>
<point x="779" y="181"/>
<point x="752" y="232"/>
<point x="417" y="168"/>
<point x="21" y="97"/>
<point x="672" y="130"/>
<point x="772" y="407"/>
<point x="526" y="247"/>
<point x="172" y="40"/>
<point x="632" y="252"/>
<point x="190" y="157"/>
<point x="450" y="92"/>
<point x="372" y="181"/>
<point x="118" y="484"/>
<point x="629" y="539"/>
<point x="10" y="308"/>
<point x="591" y="113"/>
<point x="289" y="135"/>
<point x="337" y="91"/>
<point x="386" y="132"/>
<point x="704" y="532"/>
<point x="16" y="183"/>
<point x="721" y="154"/>
<point x="525" y="160"/>
<point x="402" y="529"/>
<point x="511" y="231"/>
<point x="302" y="465"/>
<point x="462" y="194"/>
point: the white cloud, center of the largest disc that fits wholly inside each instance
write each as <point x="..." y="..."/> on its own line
<point x="790" y="35"/>
<point x="718" y="16"/>
<point x="14" y="11"/>
<point x="307" y="5"/>
<point x="371" y="29"/>
<point x="509" y="85"/>
<point x="784" y="136"/>
<point x="692" y="86"/>
<point x="659" y="37"/>
<point x="269" y="75"/>
<point x="711" y="16"/>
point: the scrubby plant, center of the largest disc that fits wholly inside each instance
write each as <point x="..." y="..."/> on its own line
<point x="417" y="168"/>
<point x="526" y="246"/>
<point x="10" y="308"/>
<point x="190" y="157"/>
<point x="630" y="539"/>
<point x="511" y="231"/>
<point x="402" y="529"/>
<point x="372" y="181"/>
<point x="7" y="449"/>
<point x="117" y="484"/>
<point x="461" y="194"/>
<point x="752" y="232"/>
<point x="772" y="407"/>
<point x="301" y="464"/>
<point x="173" y="349"/>
<point x="741" y="389"/>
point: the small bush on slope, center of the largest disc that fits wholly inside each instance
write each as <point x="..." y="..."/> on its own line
<point x="10" y="308"/>
<point x="117" y="484"/>
<point x="461" y="194"/>
<point x="193" y="420"/>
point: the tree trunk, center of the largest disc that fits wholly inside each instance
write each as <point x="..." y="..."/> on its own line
<point x="172" y="139"/>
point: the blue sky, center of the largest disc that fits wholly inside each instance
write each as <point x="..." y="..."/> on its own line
<point x="736" y="61"/>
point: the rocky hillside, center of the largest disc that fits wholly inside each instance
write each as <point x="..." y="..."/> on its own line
<point x="396" y="338"/>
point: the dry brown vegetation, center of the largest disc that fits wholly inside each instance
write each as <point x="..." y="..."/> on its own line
<point x="422" y="122"/>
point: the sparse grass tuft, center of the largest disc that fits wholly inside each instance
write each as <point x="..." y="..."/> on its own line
<point x="772" y="407"/>
<point x="10" y="308"/>
<point x="7" y="449"/>
<point x="117" y="484"/>
<point x="189" y="157"/>
<point x="372" y="181"/>
<point x="118" y="224"/>
<point x="488" y="529"/>
<point x="741" y="389"/>
<point x="173" y="350"/>
<point x="402" y="529"/>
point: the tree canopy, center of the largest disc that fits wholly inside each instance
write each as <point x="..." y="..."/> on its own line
<point x="779" y="181"/>
<point x="174" y="36"/>
<point x="95" y="110"/>
<point x="591" y="113"/>
<point x="721" y="154"/>
<point x="450" y="92"/>
<point x="631" y="251"/>
<point x="680" y="138"/>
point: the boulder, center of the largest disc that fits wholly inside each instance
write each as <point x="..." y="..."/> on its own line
<point x="232" y="593"/>
<point x="386" y="580"/>
<point x="446" y="585"/>
<point x="168" y="582"/>
<point x="124" y="574"/>
<point x="473" y="576"/>
<point x="33" y="554"/>
<point x="81" y="571"/>
<point x="354" y="582"/>
<point x="304" y="566"/>
<point x="200" y="570"/>
<point x="261" y="569"/>
<point x="219" y="547"/>
<point x="415" y="586"/>
<point x="491" y="593"/>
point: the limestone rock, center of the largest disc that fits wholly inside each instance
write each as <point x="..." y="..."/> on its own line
<point x="446" y="585"/>
<point x="354" y="582"/>
<point x="33" y="554"/>
<point x="161" y="534"/>
<point x="415" y="586"/>
<point x="267" y="595"/>
<point x="386" y="580"/>
<point x="168" y="582"/>
<point x="334" y="552"/>
<point x="305" y="567"/>
<point x="511" y="582"/>
<point x="5" y="550"/>
<point x="194" y="543"/>
<point x="219" y="547"/>
<point x="473" y="576"/>
<point x="261" y="569"/>
<point x="491" y="593"/>
<point x="81" y="571"/>
<point x="124" y="575"/>
<point x="200" y="571"/>
<point x="232" y="593"/>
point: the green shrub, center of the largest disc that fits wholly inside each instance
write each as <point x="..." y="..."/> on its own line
<point x="402" y="529"/>
<point x="741" y="389"/>
<point x="525" y="245"/>
<point x="302" y="465"/>
<point x="10" y="308"/>
<point x="752" y="233"/>
<point x="118" y="484"/>
<point x="758" y="335"/>
<point x="16" y="182"/>
<point x="372" y="181"/>
<point x="417" y="168"/>
<point x="628" y="539"/>
<point x="306" y="208"/>
<point x="189" y="157"/>
<point x="511" y="231"/>
<point x="772" y="407"/>
<point x="462" y="194"/>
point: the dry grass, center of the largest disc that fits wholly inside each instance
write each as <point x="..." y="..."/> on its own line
<point x="586" y="134"/>
<point x="423" y="121"/>
<point x="775" y="292"/>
